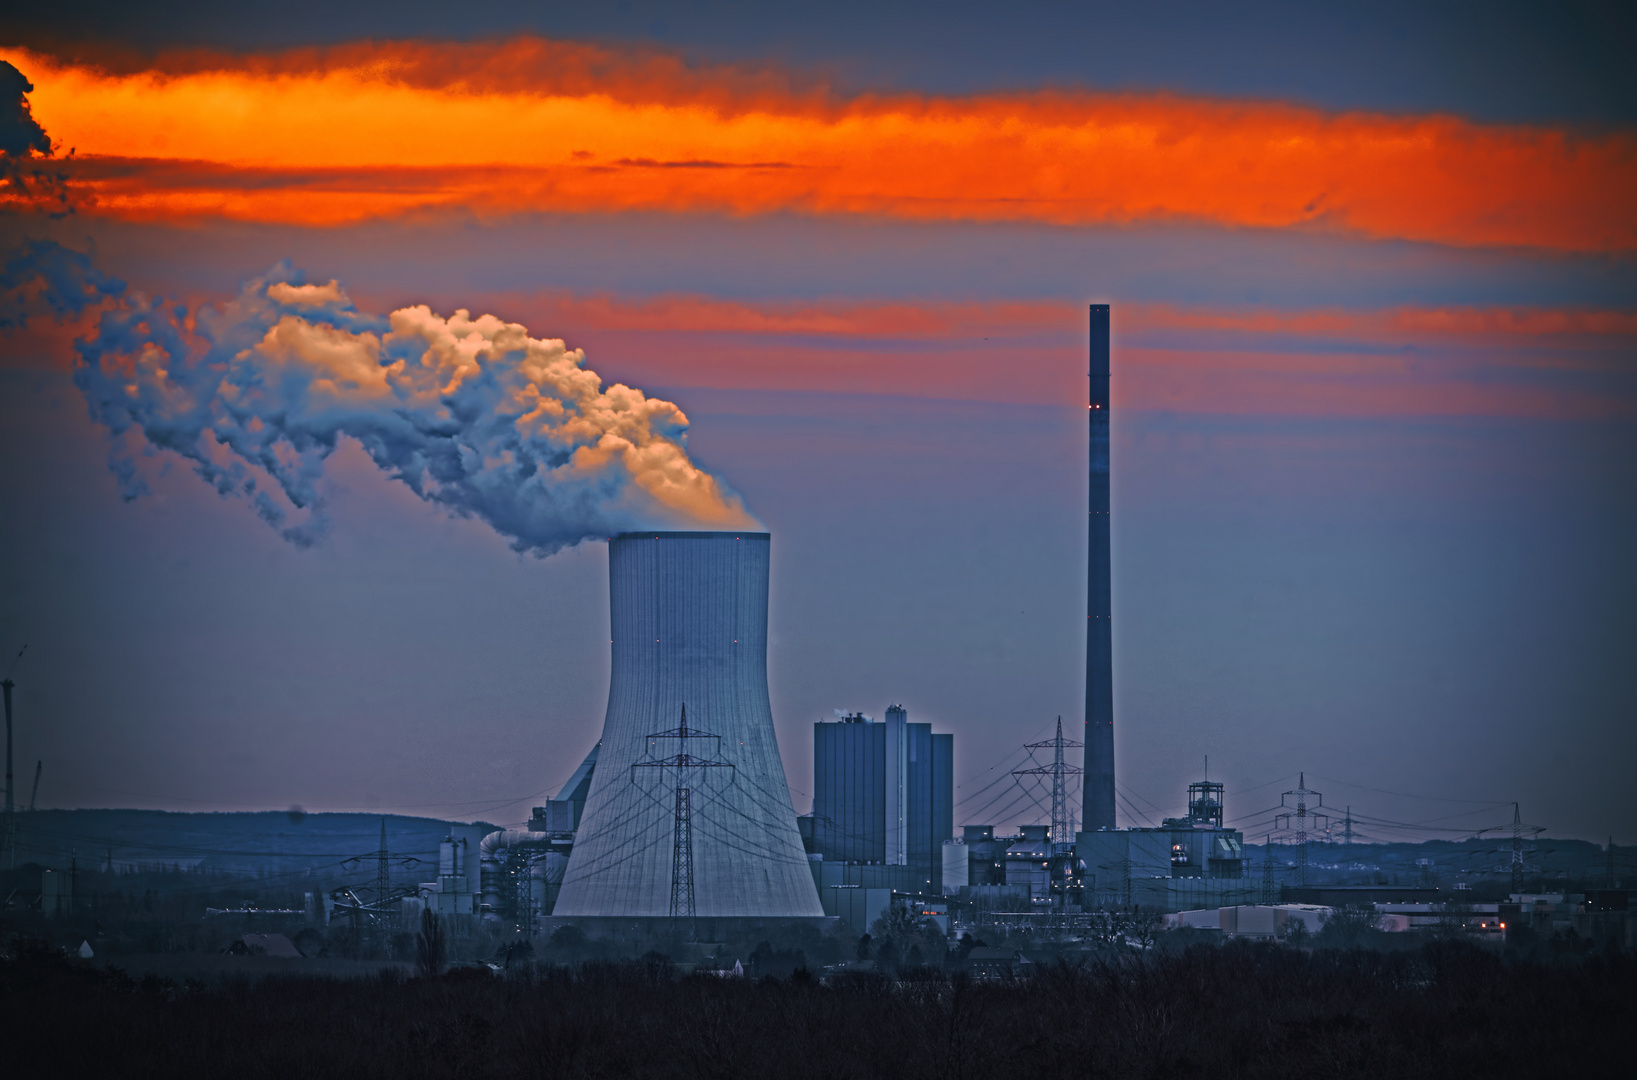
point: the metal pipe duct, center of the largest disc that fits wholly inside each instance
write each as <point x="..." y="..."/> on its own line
<point x="689" y="627"/>
<point x="488" y="855"/>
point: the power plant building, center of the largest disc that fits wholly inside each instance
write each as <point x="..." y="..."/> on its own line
<point x="1184" y="863"/>
<point x="702" y="795"/>
<point x="883" y="794"/>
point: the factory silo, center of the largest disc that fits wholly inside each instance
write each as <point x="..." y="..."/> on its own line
<point x="689" y="628"/>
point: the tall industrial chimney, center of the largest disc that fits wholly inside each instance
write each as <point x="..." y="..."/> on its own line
<point x="689" y="620"/>
<point x="1098" y="802"/>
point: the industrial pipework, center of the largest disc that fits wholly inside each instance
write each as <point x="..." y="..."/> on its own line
<point x="545" y="866"/>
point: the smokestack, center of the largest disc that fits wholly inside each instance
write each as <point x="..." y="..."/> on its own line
<point x="689" y="627"/>
<point x="1098" y="803"/>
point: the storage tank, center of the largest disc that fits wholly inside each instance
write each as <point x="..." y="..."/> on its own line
<point x="688" y="615"/>
<point x="957" y="866"/>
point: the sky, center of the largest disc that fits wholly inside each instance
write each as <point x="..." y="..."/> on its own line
<point x="1375" y="391"/>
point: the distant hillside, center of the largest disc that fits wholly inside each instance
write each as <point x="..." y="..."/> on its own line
<point x="267" y="842"/>
<point x="1444" y="862"/>
<point x="275" y="842"/>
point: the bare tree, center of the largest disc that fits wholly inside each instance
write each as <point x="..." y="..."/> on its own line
<point x="1346" y="928"/>
<point x="431" y="947"/>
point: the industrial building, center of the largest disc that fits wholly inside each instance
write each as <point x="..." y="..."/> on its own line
<point x="688" y="812"/>
<point x="459" y="887"/>
<point x="1011" y="873"/>
<point x="1187" y="862"/>
<point x="682" y="809"/>
<point x="977" y="857"/>
<point x="563" y="813"/>
<point x="883" y="794"/>
<point x="1253" y="920"/>
<point x="513" y="875"/>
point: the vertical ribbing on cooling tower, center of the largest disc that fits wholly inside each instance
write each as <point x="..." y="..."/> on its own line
<point x="1098" y="801"/>
<point x="688" y="619"/>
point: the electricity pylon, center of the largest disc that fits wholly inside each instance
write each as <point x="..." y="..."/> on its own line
<point x="682" y="909"/>
<point x="1062" y="844"/>
<point x="1301" y="819"/>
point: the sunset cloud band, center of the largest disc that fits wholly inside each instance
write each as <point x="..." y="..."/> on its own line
<point x="330" y="138"/>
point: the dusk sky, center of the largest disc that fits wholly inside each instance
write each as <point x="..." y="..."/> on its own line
<point x="1375" y="390"/>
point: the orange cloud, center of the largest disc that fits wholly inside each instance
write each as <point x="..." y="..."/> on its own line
<point x="1394" y="362"/>
<point x="1405" y="361"/>
<point x="331" y="137"/>
<point x="1227" y="382"/>
<point x="975" y="319"/>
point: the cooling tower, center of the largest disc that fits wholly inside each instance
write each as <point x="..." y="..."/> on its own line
<point x="689" y="627"/>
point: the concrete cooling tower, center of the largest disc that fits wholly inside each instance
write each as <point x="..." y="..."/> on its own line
<point x="689" y="619"/>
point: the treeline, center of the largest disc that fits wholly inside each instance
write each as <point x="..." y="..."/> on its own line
<point x="1240" y="1010"/>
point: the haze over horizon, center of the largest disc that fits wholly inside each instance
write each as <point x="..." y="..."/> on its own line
<point x="1375" y="443"/>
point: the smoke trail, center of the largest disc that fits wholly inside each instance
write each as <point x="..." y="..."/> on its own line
<point x="43" y="277"/>
<point x="472" y="414"/>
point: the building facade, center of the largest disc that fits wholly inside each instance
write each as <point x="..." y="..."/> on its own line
<point x="1185" y="862"/>
<point x="883" y="793"/>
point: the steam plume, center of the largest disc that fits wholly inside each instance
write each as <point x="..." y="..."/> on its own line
<point x="43" y="277"/>
<point x="472" y="414"/>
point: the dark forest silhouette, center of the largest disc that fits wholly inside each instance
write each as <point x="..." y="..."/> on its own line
<point x="1448" y="1008"/>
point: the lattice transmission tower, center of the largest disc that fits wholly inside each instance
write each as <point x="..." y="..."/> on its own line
<point x="1059" y="770"/>
<point x="381" y="909"/>
<point x="682" y="909"/>
<point x="1270" y="894"/>
<point x="1062" y="841"/>
<point x="8" y="826"/>
<point x="1517" y="866"/>
<point x="1300" y="820"/>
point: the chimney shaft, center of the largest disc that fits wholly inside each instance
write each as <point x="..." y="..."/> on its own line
<point x="1098" y="802"/>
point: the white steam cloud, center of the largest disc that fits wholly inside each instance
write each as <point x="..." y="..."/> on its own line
<point x="472" y="414"/>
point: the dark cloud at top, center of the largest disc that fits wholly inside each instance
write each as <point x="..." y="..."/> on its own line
<point x="34" y="183"/>
<point x="1519" y="60"/>
<point x="19" y="131"/>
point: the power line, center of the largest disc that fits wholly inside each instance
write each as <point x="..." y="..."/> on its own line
<point x="1406" y="795"/>
<point x="1131" y="807"/>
